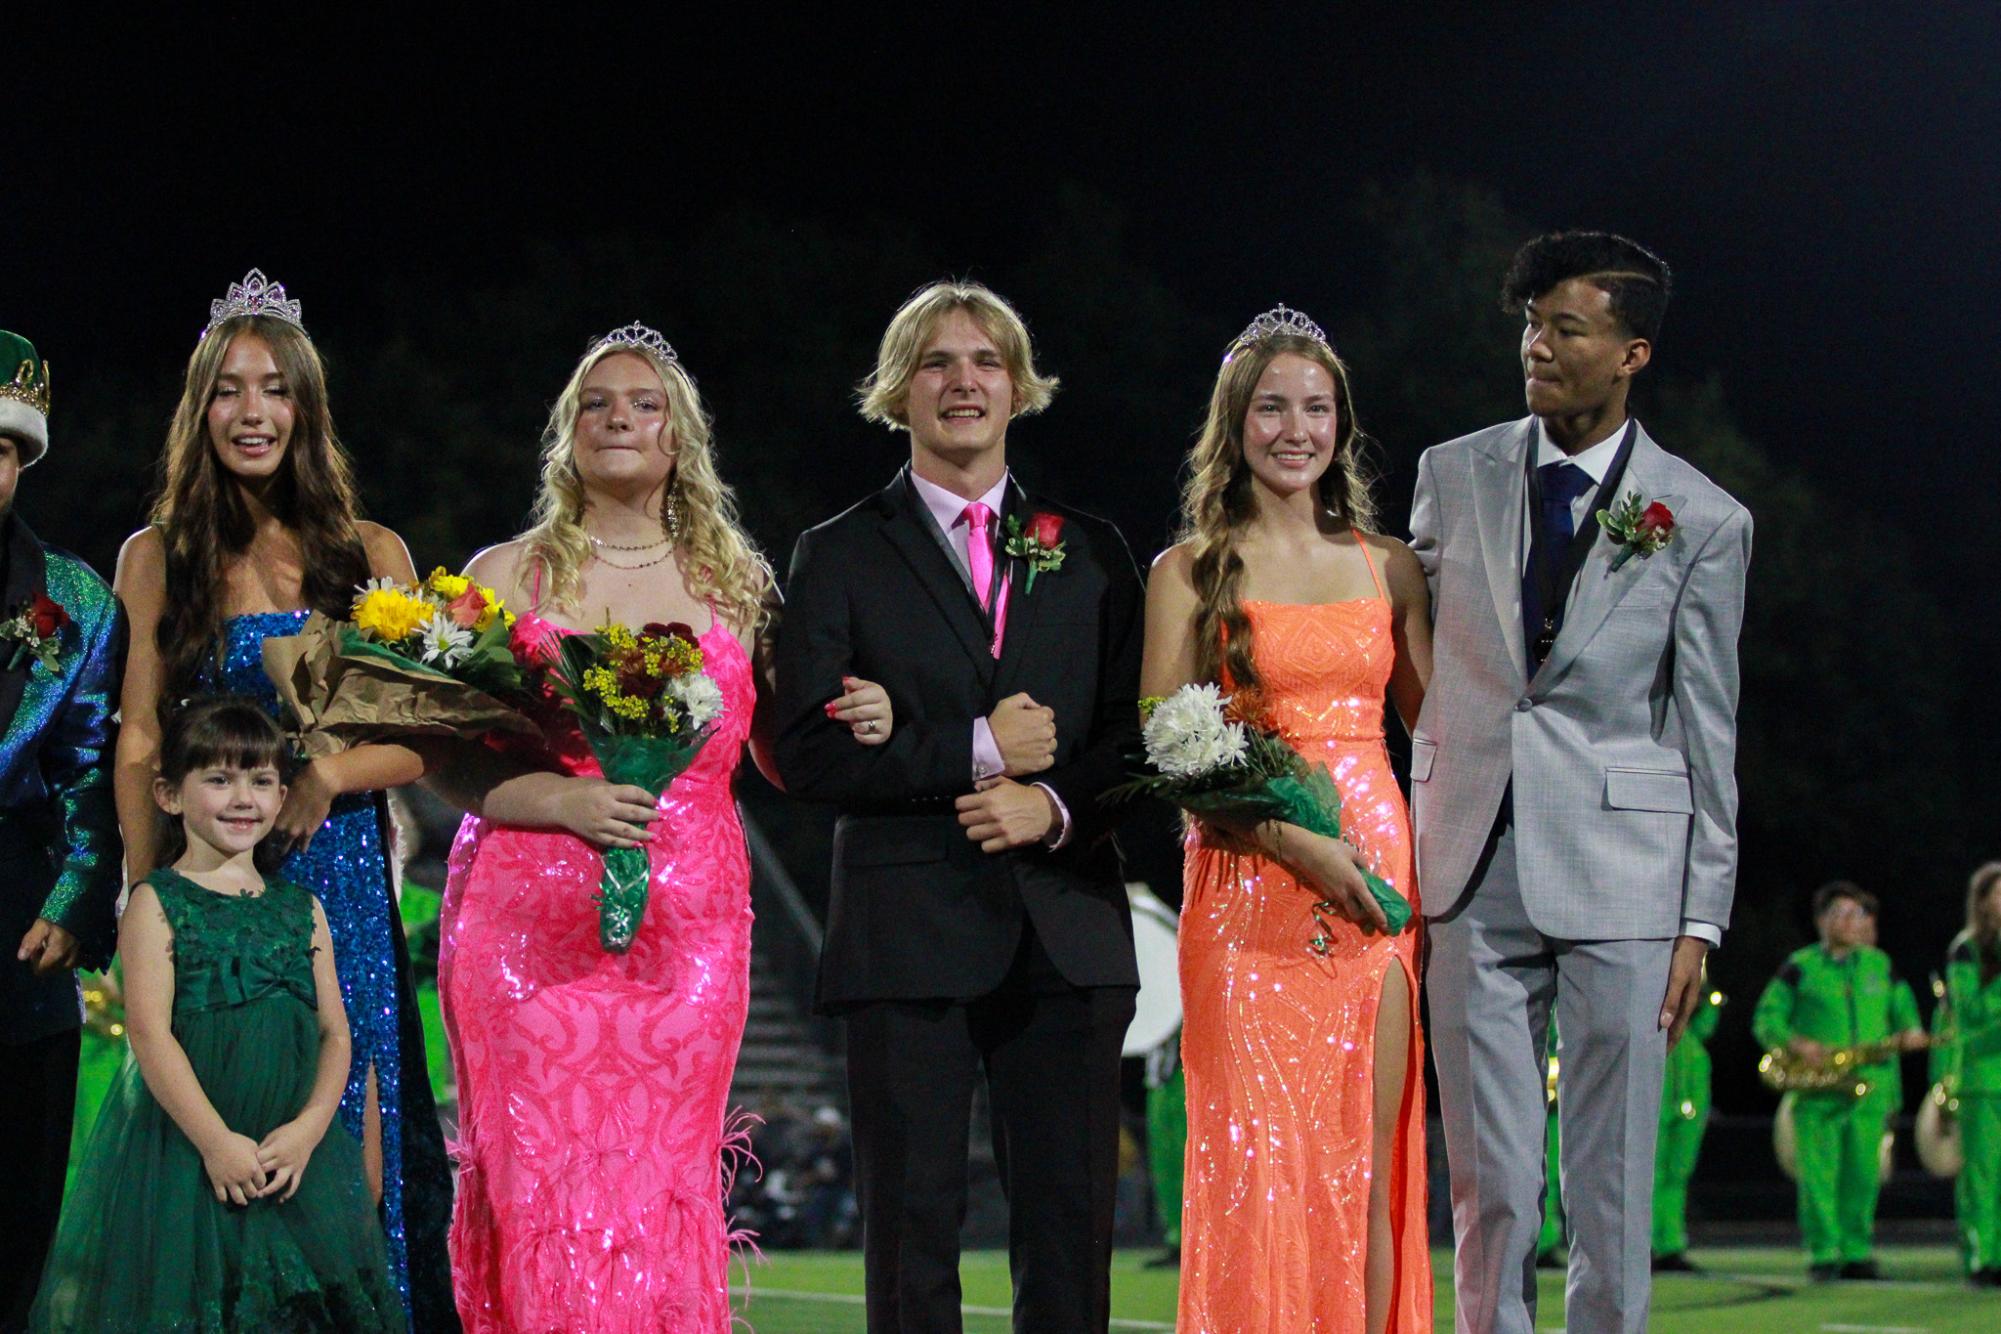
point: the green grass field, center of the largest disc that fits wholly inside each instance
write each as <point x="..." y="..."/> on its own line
<point x="1753" y="1289"/>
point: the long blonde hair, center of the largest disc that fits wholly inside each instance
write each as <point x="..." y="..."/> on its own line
<point x="716" y="555"/>
<point x="1216" y="501"/>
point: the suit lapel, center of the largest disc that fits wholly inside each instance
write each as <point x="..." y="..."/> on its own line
<point x="1024" y="607"/>
<point x="1599" y="586"/>
<point x="1497" y="513"/>
<point x="26" y="576"/>
<point x="908" y="528"/>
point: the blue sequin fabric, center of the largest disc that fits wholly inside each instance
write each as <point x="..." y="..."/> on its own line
<point x="347" y="869"/>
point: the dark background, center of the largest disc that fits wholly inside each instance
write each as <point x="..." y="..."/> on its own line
<point x="461" y="209"/>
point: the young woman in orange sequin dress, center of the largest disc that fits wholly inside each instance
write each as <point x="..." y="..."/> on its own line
<point x="1305" y="1195"/>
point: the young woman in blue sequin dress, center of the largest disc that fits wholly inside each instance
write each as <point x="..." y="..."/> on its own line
<point x="254" y="528"/>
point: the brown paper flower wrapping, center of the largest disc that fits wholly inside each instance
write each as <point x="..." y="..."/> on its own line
<point x="344" y="691"/>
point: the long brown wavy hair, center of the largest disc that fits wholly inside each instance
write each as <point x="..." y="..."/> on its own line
<point x="205" y="520"/>
<point x="716" y="556"/>
<point x="1217" y="501"/>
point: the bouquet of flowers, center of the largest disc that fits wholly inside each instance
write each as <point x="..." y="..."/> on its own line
<point x="1202" y="759"/>
<point x="647" y="708"/>
<point x="424" y="659"/>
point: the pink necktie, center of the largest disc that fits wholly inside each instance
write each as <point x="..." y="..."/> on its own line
<point x="980" y="562"/>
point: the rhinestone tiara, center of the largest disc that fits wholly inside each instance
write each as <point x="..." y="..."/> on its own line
<point x="255" y="295"/>
<point x="636" y="334"/>
<point x="1279" y="320"/>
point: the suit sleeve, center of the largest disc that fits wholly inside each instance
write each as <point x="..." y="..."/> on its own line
<point x="1081" y="782"/>
<point x="819" y="758"/>
<point x="1707" y="621"/>
<point x="1424" y="527"/>
<point x="76" y="766"/>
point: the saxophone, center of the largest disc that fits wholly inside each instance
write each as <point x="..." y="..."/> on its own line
<point x="1784" y="1071"/>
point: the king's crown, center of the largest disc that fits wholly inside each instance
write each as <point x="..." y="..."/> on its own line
<point x="255" y="295"/>
<point x="1279" y="320"/>
<point x="638" y="335"/>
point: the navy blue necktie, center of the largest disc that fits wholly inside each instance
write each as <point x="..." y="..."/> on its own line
<point x="1560" y="484"/>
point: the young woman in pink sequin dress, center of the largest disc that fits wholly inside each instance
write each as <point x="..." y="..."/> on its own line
<point x="1304" y="1198"/>
<point x="593" y="1086"/>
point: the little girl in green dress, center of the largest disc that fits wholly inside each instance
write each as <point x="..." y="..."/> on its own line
<point x="218" y="1192"/>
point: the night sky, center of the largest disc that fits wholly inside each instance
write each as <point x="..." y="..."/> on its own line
<point x="1823" y="178"/>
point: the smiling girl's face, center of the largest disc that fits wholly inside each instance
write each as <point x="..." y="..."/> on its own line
<point x="228" y="808"/>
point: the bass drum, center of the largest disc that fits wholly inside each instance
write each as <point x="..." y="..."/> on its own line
<point x="1939" y="1146"/>
<point x="1157" y="1010"/>
<point x="1785" y="1144"/>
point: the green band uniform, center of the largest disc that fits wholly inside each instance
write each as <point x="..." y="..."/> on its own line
<point x="1839" y="1002"/>
<point x="1968" y="1061"/>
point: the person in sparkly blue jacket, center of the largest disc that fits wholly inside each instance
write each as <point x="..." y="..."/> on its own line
<point x="62" y="642"/>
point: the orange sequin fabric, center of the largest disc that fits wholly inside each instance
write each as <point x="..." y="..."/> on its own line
<point x="1278" y="1040"/>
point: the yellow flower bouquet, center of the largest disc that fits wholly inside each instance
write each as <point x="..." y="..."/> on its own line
<point x="426" y="659"/>
<point x="647" y="708"/>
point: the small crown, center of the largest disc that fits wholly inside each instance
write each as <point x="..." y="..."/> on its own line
<point x="1279" y="320"/>
<point x="29" y="387"/>
<point x="255" y="295"/>
<point x="638" y="335"/>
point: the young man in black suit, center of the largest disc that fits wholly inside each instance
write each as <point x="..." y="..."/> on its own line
<point x="978" y="919"/>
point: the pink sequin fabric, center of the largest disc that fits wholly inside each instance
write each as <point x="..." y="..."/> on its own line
<point x="1278" y="1040"/>
<point x="593" y="1086"/>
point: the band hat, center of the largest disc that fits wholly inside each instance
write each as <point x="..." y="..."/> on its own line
<point x="24" y="396"/>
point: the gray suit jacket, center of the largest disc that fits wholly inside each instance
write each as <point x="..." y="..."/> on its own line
<point x="1622" y="749"/>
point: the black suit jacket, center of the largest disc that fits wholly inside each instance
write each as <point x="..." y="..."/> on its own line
<point x="917" y="910"/>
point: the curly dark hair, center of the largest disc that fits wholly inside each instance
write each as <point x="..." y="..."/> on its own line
<point x="1637" y="280"/>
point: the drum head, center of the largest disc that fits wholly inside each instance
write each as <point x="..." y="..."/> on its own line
<point x="1157" y="1011"/>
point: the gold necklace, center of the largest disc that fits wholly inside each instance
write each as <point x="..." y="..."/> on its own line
<point x="645" y="564"/>
<point x="597" y="541"/>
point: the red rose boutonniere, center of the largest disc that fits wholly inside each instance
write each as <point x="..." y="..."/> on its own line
<point x="1039" y="542"/>
<point x="1638" y="527"/>
<point x="35" y="629"/>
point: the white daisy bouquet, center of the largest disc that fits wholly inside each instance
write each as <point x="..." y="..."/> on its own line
<point x="429" y="658"/>
<point x="1208" y="762"/>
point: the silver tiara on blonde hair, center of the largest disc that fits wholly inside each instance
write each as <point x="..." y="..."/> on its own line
<point x="638" y="335"/>
<point x="1279" y="320"/>
<point x="255" y="295"/>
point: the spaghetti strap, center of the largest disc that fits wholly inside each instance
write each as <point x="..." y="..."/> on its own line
<point x="535" y="593"/>
<point x="1370" y="562"/>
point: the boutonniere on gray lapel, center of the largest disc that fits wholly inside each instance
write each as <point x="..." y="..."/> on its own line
<point x="1039" y="542"/>
<point x="36" y="629"/>
<point x="1640" y="527"/>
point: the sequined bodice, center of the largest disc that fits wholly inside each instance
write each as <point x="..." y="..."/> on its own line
<point x="242" y="668"/>
<point x="1325" y="667"/>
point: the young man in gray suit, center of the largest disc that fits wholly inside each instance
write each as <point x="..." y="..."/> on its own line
<point x="1573" y="782"/>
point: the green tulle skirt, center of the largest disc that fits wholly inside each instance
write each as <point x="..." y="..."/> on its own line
<point x="143" y="1243"/>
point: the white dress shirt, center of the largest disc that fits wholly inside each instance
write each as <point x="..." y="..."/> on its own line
<point x="948" y="511"/>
